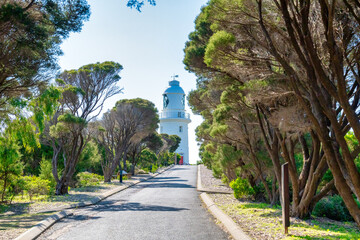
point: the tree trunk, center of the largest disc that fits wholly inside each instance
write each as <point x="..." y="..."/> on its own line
<point x="62" y="187"/>
<point x="133" y="169"/>
<point x="107" y="175"/>
<point x="4" y="187"/>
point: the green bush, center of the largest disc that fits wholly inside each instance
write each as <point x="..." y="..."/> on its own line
<point x="154" y="168"/>
<point x="86" y="179"/>
<point x="241" y="188"/>
<point x="46" y="173"/>
<point x="332" y="207"/>
<point x="36" y="186"/>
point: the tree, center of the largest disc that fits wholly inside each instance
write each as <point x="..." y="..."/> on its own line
<point x="242" y="53"/>
<point x="30" y="35"/>
<point x="138" y="118"/>
<point x="64" y="122"/>
<point x="153" y="142"/>
<point x="139" y="4"/>
<point x="147" y="158"/>
<point x="90" y="159"/>
<point x="126" y="125"/>
<point x="10" y="164"/>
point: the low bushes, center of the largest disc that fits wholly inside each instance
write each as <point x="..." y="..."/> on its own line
<point x="241" y="188"/>
<point x="332" y="207"/>
<point x="85" y="179"/>
<point x="154" y="168"/>
<point x="34" y="186"/>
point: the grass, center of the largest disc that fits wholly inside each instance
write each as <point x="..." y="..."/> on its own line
<point x="267" y="219"/>
<point x="21" y="221"/>
<point x="4" y="208"/>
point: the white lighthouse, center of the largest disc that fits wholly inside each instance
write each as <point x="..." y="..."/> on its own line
<point x="174" y="119"/>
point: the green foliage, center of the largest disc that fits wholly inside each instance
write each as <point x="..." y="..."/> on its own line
<point x="139" y="4"/>
<point x="154" y="168"/>
<point x="241" y="188"/>
<point x="153" y="142"/>
<point x="10" y="164"/>
<point x="46" y="172"/>
<point x="332" y="207"/>
<point x="36" y="186"/>
<point x="176" y="142"/>
<point x="147" y="158"/>
<point x="70" y="118"/>
<point x="90" y="159"/>
<point x="218" y="40"/>
<point x="145" y="106"/>
<point x="45" y="105"/>
<point x="32" y="32"/>
<point x="85" y="179"/>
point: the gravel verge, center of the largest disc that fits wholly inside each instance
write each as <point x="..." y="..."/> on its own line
<point x="210" y="182"/>
<point x="261" y="221"/>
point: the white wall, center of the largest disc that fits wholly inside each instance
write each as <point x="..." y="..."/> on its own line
<point x="171" y="127"/>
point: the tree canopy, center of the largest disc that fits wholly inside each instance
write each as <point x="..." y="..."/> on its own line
<point x="278" y="82"/>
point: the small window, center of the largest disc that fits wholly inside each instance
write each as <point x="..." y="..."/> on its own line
<point x="179" y="114"/>
<point x="180" y="129"/>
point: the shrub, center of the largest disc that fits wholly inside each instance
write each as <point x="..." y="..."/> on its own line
<point x="36" y="186"/>
<point x="86" y="179"/>
<point x="46" y="173"/>
<point x="154" y="168"/>
<point x="241" y="188"/>
<point x="332" y="207"/>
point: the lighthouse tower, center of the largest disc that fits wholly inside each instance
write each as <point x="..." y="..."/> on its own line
<point x="173" y="118"/>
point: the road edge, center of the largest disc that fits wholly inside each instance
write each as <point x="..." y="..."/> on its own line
<point x="201" y="189"/>
<point x="42" y="226"/>
<point x="39" y="228"/>
<point x="235" y="231"/>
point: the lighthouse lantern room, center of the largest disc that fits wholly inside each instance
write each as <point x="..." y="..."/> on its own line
<point x="174" y="119"/>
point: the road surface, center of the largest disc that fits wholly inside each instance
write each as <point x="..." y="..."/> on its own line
<point x="165" y="207"/>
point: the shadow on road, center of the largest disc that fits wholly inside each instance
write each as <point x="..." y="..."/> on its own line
<point x="153" y="184"/>
<point x="177" y="169"/>
<point x="133" y="206"/>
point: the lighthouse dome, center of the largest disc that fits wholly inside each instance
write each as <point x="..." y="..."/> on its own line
<point x="174" y="88"/>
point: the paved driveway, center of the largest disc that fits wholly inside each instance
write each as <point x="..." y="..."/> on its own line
<point x="165" y="207"/>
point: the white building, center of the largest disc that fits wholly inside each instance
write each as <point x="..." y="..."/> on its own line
<point x="174" y="119"/>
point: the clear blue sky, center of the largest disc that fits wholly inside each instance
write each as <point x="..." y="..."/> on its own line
<point x="149" y="45"/>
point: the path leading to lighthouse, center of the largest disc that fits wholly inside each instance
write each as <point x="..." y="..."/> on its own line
<point x="165" y="207"/>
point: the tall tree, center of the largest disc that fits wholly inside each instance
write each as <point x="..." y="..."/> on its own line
<point x="254" y="44"/>
<point x="126" y="125"/>
<point x="64" y="123"/>
<point x="30" y="36"/>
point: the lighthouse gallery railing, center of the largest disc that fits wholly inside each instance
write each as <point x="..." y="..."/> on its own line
<point x="174" y="115"/>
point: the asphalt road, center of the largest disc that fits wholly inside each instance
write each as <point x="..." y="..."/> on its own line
<point x="165" y="207"/>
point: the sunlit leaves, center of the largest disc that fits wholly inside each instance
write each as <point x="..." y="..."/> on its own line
<point x="218" y="42"/>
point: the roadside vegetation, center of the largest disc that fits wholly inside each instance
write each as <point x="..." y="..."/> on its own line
<point x="278" y="82"/>
<point x="54" y="138"/>
<point x="263" y="221"/>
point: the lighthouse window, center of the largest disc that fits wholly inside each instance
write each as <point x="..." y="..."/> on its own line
<point x="166" y="101"/>
<point x="180" y="129"/>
